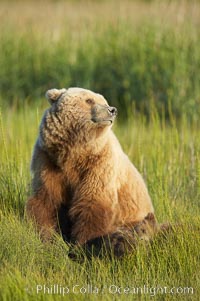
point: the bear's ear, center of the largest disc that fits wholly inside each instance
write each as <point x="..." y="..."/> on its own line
<point x="54" y="94"/>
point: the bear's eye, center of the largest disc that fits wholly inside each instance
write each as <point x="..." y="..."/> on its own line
<point x="90" y="101"/>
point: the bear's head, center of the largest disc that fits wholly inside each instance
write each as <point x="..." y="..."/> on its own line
<point x="79" y="113"/>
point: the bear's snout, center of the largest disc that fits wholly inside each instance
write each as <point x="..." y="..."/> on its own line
<point x="103" y="114"/>
<point x="112" y="111"/>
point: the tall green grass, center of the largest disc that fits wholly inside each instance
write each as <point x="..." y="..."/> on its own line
<point x="166" y="155"/>
<point x="151" y="60"/>
<point x="127" y="65"/>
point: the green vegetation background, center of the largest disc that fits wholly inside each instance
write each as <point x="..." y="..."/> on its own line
<point x="144" y="57"/>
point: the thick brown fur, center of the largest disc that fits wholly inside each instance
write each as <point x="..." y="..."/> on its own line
<point x="80" y="172"/>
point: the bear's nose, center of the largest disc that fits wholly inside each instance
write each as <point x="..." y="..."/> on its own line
<point x="112" y="111"/>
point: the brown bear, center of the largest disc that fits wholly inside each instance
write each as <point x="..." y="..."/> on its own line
<point x="83" y="183"/>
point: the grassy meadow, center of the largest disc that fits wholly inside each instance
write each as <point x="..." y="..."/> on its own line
<point x="144" y="56"/>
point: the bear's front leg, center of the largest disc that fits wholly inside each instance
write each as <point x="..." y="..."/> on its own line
<point x="43" y="214"/>
<point x="91" y="216"/>
<point x="47" y="194"/>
